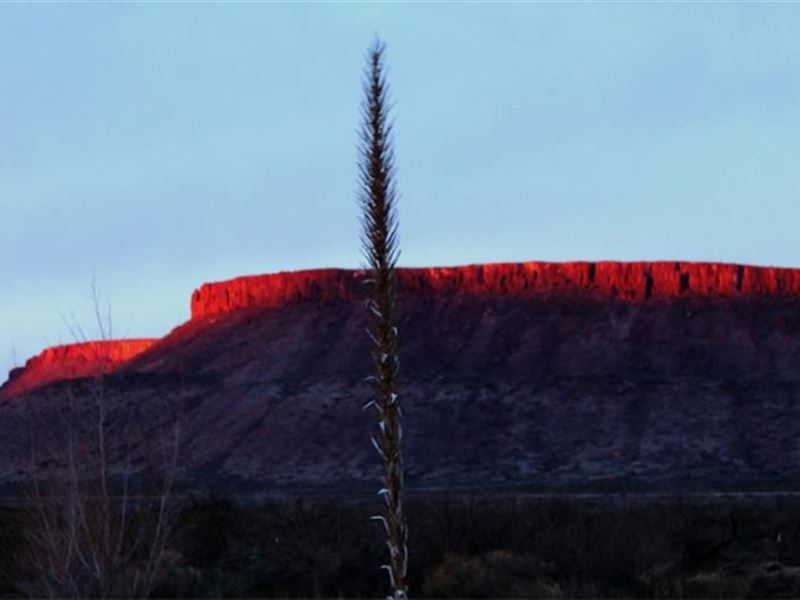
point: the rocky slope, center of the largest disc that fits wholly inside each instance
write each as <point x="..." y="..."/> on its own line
<point x="544" y="375"/>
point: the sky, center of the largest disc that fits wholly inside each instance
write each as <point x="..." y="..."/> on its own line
<point x="146" y="148"/>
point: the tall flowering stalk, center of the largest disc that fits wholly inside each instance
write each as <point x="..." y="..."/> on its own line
<point x="378" y="198"/>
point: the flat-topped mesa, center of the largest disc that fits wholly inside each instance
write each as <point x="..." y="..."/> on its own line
<point x="71" y="361"/>
<point x="627" y="281"/>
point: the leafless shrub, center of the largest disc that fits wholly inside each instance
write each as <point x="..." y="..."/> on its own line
<point x="97" y="524"/>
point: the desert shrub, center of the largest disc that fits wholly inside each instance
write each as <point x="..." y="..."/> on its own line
<point x="717" y="584"/>
<point x="774" y="580"/>
<point x="279" y="549"/>
<point x="208" y="525"/>
<point x="177" y="579"/>
<point x="496" y="574"/>
<point x="321" y="549"/>
<point x="215" y="551"/>
<point x="11" y="541"/>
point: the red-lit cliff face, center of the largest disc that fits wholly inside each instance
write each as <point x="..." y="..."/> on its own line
<point x="87" y="359"/>
<point x="625" y="281"/>
<point x="628" y="281"/>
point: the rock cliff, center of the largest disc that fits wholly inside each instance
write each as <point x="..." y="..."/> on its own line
<point x="71" y="361"/>
<point x="628" y="281"/>
<point x="625" y="281"/>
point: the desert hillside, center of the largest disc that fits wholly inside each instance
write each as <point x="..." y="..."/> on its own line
<point x="542" y="375"/>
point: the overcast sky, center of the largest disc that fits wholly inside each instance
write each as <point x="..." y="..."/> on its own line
<point x="153" y="147"/>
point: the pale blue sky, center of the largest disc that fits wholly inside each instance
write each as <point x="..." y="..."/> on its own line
<point x="158" y="146"/>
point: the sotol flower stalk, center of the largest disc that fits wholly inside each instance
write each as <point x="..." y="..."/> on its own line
<point x="378" y="197"/>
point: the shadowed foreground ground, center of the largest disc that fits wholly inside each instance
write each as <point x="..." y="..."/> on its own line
<point x="477" y="546"/>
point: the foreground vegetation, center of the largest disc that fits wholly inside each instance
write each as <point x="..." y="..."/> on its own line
<point x="473" y="547"/>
